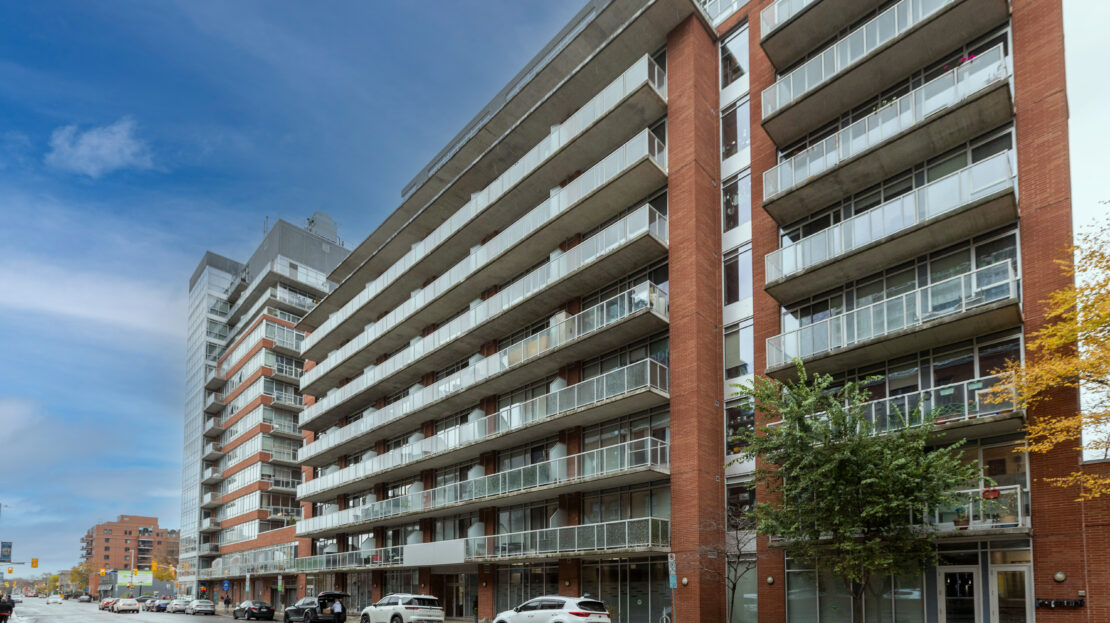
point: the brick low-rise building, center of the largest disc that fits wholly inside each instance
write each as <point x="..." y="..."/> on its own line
<point x="129" y="542"/>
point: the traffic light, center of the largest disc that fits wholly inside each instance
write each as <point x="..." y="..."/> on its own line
<point x="103" y="572"/>
<point x="154" y="565"/>
<point x="34" y="563"/>
<point x="11" y="570"/>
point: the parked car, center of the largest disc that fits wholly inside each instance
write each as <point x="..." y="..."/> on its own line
<point x="177" y="605"/>
<point x="126" y="604"/>
<point x="201" y="606"/>
<point x="106" y="603"/>
<point x="557" y="609"/>
<point x="403" y="608"/>
<point x="17" y="598"/>
<point x="316" y="608"/>
<point x="158" y="605"/>
<point x="84" y="599"/>
<point x="253" y="610"/>
<point x="54" y="599"/>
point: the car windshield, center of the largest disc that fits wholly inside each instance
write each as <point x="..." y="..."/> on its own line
<point x="260" y="604"/>
<point x="423" y="601"/>
<point x="591" y="606"/>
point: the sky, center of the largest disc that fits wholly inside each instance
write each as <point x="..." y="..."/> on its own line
<point x="136" y="135"/>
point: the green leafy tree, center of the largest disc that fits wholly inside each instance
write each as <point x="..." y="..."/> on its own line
<point x="79" y="575"/>
<point x="838" y="496"/>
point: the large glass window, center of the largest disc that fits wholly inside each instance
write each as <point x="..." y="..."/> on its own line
<point x="735" y="130"/>
<point x="739" y="418"/>
<point x="738" y="276"/>
<point x="736" y="202"/>
<point x="739" y="350"/>
<point x="734" y="56"/>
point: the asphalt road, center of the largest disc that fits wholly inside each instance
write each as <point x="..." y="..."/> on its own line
<point x="35" y="610"/>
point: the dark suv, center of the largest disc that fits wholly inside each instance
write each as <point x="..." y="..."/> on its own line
<point x="316" y="608"/>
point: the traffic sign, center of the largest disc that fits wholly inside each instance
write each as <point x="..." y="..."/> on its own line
<point x="226" y="585"/>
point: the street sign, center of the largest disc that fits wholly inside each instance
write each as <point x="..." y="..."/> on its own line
<point x="672" y="570"/>
<point x="226" y="585"/>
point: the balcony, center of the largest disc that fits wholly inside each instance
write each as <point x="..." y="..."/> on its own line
<point x="789" y="28"/>
<point x="635" y="312"/>
<point x="210" y="500"/>
<point x="208" y="549"/>
<point x="282" y="456"/>
<point x="214" y="380"/>
<point x="209" y="525"/>
<point x="976" y="199"/>
<point x="899" y="40"/>
<point x="212" y="427"/>
<point x="362" y="559"/>
<point x="957" y="408"/>
<point x="632" y="101"/>
<point x="287" y="374"/>
<point x="210" y="476"/>
<point x="630" y="535"/>
<point x="634" y="170"/>
<point x="983" y="512"/>
<point x="282" y="485"/>
<point x="944" y="112"/>
<point x="288" y="400"/>
<point x="958" y="308"/>
<point x="626" y="244"/>
<point x="632" y="462"/>
<point x="625" y="390"/>
<point x="213" y="403"/>
<point x="212" y="451"/>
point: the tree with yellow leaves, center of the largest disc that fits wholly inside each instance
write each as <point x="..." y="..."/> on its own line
<point x="1072" y="349"/>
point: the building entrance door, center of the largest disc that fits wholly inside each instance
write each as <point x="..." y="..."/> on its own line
<point x="460" y="595"/>
<point x="1010" y="591"/>
<point x="958" y="594"/>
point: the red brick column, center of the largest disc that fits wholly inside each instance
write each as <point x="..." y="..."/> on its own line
<point x="697" y="423"/>
<point x="486" y="583"/>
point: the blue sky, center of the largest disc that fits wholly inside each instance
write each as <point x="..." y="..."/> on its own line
<point x="136" y="135"/>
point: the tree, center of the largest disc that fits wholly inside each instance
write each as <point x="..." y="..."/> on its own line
<point x="739" y="549"/>
<point x="1071" y="350"/>
<point x="165" y="570"/>
<point x="79" y="575"/>
<point x="839" y="496"/>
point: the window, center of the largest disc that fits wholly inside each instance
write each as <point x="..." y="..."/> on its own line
<point x="738" y="276"/>
<point x="734" y="56"/>
<point x="736" y="202"/>
<point x="739" y="418"/>
<point x="739" y="350"/>
<point x="741" y="501"/>
<point x="735" y="130"/>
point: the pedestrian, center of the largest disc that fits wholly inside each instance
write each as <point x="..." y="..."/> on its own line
<point x="338" y="610"/>
<point x="227" y="602"/>
<point x="6" y="607"/>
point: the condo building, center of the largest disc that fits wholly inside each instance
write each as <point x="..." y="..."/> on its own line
<point x="522" y="383"/>
<point x="240" y="470"/>
<point x="131" y="542"/>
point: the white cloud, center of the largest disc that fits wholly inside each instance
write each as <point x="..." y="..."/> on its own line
<point x="98" y="151"/>
<point x="69" y="291"/>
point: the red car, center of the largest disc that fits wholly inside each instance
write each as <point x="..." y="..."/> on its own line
<point x="106" y="604"/>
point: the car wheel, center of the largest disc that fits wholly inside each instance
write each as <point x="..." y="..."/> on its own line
<point x="396" y="619"/>
<point x="365" y="619"/>
<point x="235" y="615"/>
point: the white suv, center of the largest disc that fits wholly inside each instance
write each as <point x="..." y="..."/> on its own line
<point x="403" y="608"/>
<point x="556" y="609"/>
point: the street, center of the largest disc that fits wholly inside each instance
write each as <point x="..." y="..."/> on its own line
<point x="35" y="610"/>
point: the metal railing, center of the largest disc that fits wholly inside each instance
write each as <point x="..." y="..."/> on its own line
<point x="647" y="532"/>
<point x="600" y="316"/>
<point x="986" y="508"/>
<point x="643" y="220"/>
<point x="518" y="416"/>
<point x="639" y="453"/>
<point x="380" y="557"/>
<point x="955" y="295"/>
<point x="942" y="92"/>
<point x="955" y="402"/>
<point x="929" y="201"/>
<point x="642" y="145"/>
<point x="643" y="70"/>
<point x="861" y="42"/>
<point x="779" y="12"/>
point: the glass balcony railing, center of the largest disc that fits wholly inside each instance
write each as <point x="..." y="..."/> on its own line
<point x="643" y="220"/>
<point x="644" y="144"/>
<point x="643" y="70"/>
<point x="942" y="92"/>
<point x="778" y="13"/>
<point x="956" y="295"/>
<point x="944" y="195"/>
<point x="620" y="458"/>
<point x="861" y="42"/>
<point x="615" y="309"/>
<point x="380" y="557"/>
<point x="645" y="373"/>
<point x="647" y="532"/>
<point x="987" y="508"/>
<point x="956" y="402"/>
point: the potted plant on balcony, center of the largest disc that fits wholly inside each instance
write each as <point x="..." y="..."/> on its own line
<point x="962" y="520"/>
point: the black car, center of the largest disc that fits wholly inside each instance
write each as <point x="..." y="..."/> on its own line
<point x="316" y="608"/>
<point x="253" y="610"/>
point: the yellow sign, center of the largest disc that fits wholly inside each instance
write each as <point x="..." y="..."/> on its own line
<point x="154" y="565"/>
<point x="34" y="563"/>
